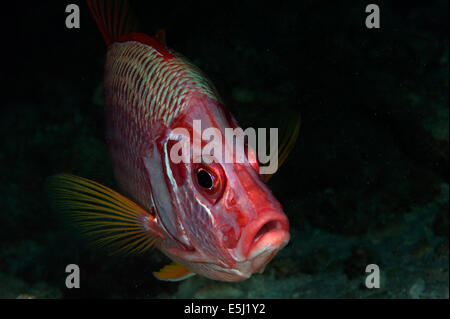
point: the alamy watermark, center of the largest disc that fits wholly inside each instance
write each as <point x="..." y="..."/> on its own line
<point x="73" y="277"/>
<point x="373" y="277"/>
<point x="236" y="146"/>
<point x="373" y="19"/>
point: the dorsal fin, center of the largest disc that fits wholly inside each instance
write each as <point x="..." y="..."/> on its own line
<point x="118" y="23"/>
<point x="287" y="144"/>
<point x="114" y="18"/>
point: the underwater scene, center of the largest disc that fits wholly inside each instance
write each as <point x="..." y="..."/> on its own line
<point x="337" y="186"/>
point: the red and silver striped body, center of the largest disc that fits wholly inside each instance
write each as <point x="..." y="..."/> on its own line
<point x="226" y="232"/>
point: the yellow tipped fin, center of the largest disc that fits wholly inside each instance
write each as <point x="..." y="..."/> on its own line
<point x="173" y="272"/>
<point x="287" y="144"/>
<point x="110" y="219"/>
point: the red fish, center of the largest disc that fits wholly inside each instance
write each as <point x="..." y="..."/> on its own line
<point x="216" y="219"/>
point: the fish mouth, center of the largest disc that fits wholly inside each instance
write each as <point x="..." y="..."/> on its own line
<point x="267" y="238"/>
<point x="270" y="233"/>
<point x="261" y="254"/>
<point x="263" y="238"/>
<point x="273" y="241"/>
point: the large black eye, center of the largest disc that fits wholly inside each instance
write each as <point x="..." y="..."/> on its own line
<point x="209" y="180"/>
<point x="204" y="179"/>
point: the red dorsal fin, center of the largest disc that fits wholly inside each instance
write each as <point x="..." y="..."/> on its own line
<point x="114" y="18"/>
<point x="117" y="23"/>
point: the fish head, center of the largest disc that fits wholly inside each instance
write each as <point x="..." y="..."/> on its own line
<point x="223" y="221"/>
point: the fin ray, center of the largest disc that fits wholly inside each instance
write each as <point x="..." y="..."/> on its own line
<point x="114" y="18"/>
<point x="286" y="146"/>
<point x="107" y="217"/>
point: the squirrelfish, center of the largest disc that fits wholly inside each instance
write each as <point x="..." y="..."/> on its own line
<point x="212" y="218"/>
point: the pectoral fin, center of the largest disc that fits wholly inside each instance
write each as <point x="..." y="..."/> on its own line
<point x="110" y="219"/>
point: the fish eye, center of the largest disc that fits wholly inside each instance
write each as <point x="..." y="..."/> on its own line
<point x="210" y="180"/>
<point x="204" y="178"/>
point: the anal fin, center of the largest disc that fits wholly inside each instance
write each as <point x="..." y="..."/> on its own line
<point x="173" y="272"/>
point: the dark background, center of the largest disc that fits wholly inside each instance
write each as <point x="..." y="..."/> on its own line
<point x="373" y="143"/>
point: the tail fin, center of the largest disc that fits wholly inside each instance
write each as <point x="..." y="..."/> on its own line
<point x="114" y="18"/>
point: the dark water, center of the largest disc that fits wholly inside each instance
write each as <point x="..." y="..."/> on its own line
<point x="367" y="181"/>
